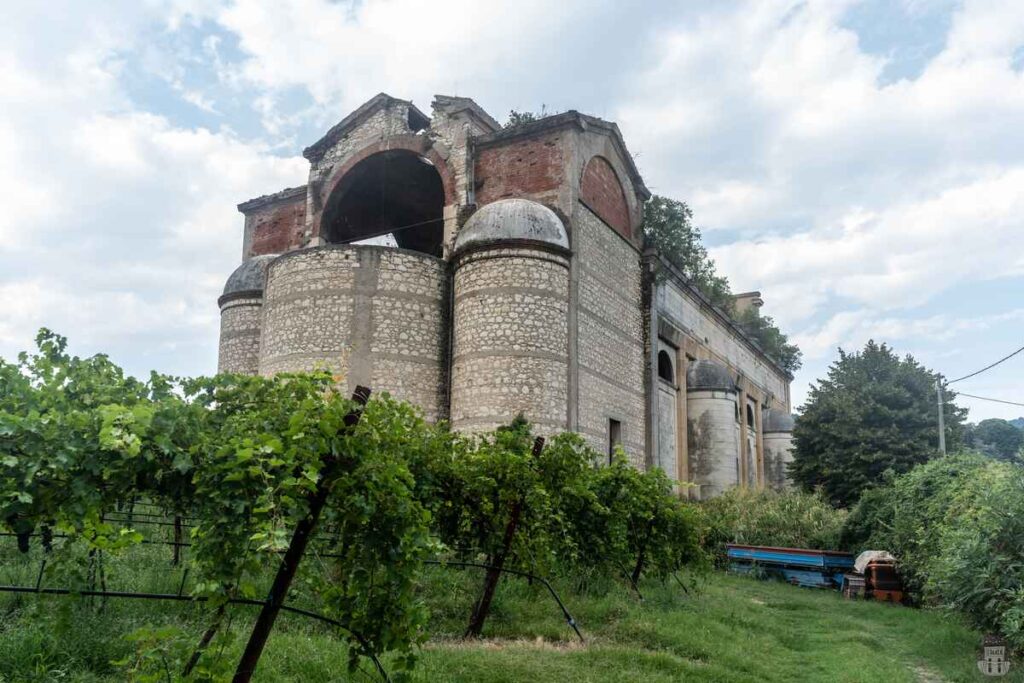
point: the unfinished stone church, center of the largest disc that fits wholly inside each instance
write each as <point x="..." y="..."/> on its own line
<point x="480" y="272"/>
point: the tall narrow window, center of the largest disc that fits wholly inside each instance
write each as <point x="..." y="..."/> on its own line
<point x="665" y="370"/>
<point x="614" y="437"/>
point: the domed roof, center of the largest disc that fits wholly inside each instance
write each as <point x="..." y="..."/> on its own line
<point x="250" y="276"/>
<point x="512" y="219"/>
<point x="704" y="375"/>
<point x="778" y="421"/>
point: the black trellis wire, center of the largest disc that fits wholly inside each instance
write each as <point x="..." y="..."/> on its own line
<point x="440" y="563"/>
<point x="179" y="597"/>
<point x="515" y="572"/>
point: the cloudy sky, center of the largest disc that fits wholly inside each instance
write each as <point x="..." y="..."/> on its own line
<point x="861" y="163"/>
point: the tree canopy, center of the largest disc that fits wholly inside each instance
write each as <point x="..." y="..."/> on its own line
<point x="874" y="415"/>
<point x="996" y="438"/>
<point x="669" y="228"/>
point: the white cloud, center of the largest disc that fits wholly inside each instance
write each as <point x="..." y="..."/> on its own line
<point x="852" y="329"/>
<point x="119" y="227"/>
<point x="849" y="201"/>
<point x="900" y="257"/>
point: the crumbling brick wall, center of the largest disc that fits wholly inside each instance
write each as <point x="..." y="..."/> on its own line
<point x="530" y="168"/>
<point x="601" y="191"/>
<point x="274" y="224"/>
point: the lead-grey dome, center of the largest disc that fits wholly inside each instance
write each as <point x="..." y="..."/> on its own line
<point x="512" y="219"/>
<point x="778" y="421"/>
<point x="706" y="375"/>
<point x="250" y="276"/>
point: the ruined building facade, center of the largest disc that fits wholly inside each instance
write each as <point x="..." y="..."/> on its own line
<point x="481" y="272"/>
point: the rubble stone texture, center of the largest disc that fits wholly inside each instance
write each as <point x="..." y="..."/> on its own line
<point x="544" y="303"/>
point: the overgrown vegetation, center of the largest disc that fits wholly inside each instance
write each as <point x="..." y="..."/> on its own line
<point x="996" y="438"/>
<point x="705" y="635"/>
<point x="248" y="458"/>
<point x="875" y="414"/>
<point x="517" y="118"/>
<point x="669" y="228"/>
<point x="789" y="519"/>
<point x="956" y="525"/>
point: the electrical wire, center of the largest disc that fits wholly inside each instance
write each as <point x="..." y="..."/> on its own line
<point x="987" y="367"/>
<point x="994" y="400"/>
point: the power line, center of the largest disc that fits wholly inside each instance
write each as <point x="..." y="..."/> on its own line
<point x="987" y="367"/>
<point x="994" y="400"/>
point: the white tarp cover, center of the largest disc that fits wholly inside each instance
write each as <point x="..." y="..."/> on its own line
<point x="861" y="563"/>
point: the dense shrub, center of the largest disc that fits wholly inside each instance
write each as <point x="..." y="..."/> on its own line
<point x="784" y="519"/>
<point x="251" y="457"/>
<point x="630" y="521"/>
<point x="909" y="516"/>
<point x="956" y="526"/>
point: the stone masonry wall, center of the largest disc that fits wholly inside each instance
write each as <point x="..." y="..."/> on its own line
<point x="610" y="339"/>
<point x="510" y="339"/>
<point x="375" y="316"/>
<point x="239" y="349"/>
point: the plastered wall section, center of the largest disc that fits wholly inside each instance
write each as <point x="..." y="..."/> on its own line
<point x="372" y="315"/>
<point x="239" y="348"/>
<point x="778" y="452"/>
<point x="712" y="440"/>
<point x="610" y="340"/>
<point x="686" y="313"/>
<point x="510" y="339"/>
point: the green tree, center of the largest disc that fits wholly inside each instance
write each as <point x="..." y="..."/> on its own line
<point x="873" y="414"/>
<point x="669" y="228"/>
<point x="771" y="339"/>
<point x="996" y="438"/>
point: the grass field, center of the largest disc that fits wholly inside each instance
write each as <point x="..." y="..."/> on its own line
<point x="728" y="629"/>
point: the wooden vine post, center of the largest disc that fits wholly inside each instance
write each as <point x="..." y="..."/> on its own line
<point x="293" y="556"/>
<point x="497" y="563"/>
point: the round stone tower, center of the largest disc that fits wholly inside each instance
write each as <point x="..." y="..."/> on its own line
<point x="778" y="447"/>
<point x="711" y="430"/>
<point x="511" y="318"/>
<point x="372" y="315"/>
<point x="240" y="307"/>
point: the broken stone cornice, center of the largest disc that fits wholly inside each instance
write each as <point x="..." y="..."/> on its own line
<point x="417" y="122"/>
<point x="451" y="104"/>
<point x="266" y="199"/>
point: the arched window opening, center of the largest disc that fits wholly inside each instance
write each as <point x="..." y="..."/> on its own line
<point x="750" y="417"/>
<point x="391" y="198"/>
<point x="665" y="370"/>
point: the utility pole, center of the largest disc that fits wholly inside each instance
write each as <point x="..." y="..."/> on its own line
<point x="942" y="421"/>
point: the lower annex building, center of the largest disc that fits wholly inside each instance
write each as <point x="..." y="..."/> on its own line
<point x="480" y="272"/>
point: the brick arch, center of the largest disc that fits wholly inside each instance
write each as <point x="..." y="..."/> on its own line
<point x="601" y="191"/>
<point x="418" y="144"/>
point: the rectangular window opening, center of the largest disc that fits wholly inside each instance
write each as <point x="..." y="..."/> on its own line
<point x="614" y="437"/>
